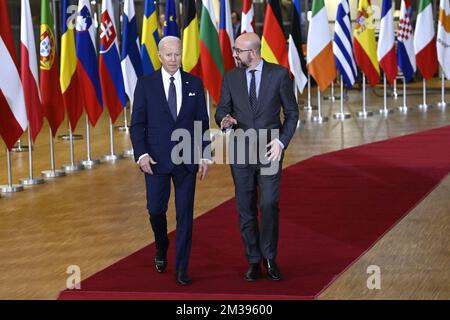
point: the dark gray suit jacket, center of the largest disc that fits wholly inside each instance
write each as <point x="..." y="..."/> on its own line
<point x="275" y="95"/>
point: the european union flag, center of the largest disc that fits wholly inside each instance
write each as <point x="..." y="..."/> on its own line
<point x="170" y="24"/>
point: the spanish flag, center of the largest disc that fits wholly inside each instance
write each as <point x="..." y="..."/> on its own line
<point x="273" y="43"/>
<point x="150" y="39"/>
<point x="68" y="78"/>
<point x="364" y="43"/>
<point x="191" y="39"/>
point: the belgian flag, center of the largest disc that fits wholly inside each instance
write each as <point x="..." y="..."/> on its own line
<point x="273" y="44"/>
<point x="191" y="39"/>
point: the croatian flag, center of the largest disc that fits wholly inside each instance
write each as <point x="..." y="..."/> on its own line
<point x="342" y="44"/>
<point x="113" y="89"/>
<point x="87" y="68"/>
<point x="386" y="47"/>
<point x="131" y="59"/>
<point x="226" y="38"/>
<point x="405" y="41"/>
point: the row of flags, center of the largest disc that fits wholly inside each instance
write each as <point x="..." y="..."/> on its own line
<point x="91" y="79"/>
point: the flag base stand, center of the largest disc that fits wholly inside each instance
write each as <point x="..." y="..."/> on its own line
<point x="319" y="119"/>
<point x="364" y="114"/>
<point x="11" y="188"/>
<point x="31" y="181"/>
<point x="404" y="109"/>
<point x="442" y="104"/>
<point x="89" y="163"/>
<point x="128" y="153"/>
<point x="68" y="168"/>
<point x="424" y="107"/>
<point x="309" y="108"/>
<point x="20" y="148"/>
<point x="112" y="157"/>
<point x="66" y="137"/>
<point x="342" y="115"/>
<point x="122" y="128"/>
<point x="53" y="173"/>
<point x="386" y="112"/>
<point x="331" y="98"/>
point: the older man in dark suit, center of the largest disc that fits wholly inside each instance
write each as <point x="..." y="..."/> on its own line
<point x="168" y="103"/>
<point x="252" y="98"/>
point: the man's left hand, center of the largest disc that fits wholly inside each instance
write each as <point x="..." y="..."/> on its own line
<point x="275" y="150"/>
<point x="202" y="169"/>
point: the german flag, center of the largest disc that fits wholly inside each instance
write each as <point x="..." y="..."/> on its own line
<point x="191" y="39"/>
<point x="273" y="44"/>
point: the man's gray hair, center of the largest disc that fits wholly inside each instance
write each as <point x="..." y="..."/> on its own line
<point x="166" y="39"/>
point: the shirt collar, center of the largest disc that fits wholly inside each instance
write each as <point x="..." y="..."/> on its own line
<point x="166" y="76"/>
<point x="258" y="67"/>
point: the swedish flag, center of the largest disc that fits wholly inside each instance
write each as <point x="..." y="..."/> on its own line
<point x="150" y="39"/>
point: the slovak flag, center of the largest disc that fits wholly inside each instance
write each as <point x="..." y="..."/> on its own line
<point x="87" y="65"/>
<point x="405" y="41"/>
<point x="113" y="89"/>
<point x="226" y="38"/>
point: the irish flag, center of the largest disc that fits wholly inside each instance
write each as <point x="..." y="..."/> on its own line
<point x="319" y="52"/>
<point x="424" y="40"/>
<point x="443" y="37"/>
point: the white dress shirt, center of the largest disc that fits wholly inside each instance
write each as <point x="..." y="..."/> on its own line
<point x="166" y="82"/>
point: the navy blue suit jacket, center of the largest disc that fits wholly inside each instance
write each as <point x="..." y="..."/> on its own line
<point x="152" y="123"/>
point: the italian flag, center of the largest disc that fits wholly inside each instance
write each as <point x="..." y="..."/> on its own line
<point x="210" y="56"/>
<point x="319" y="53"/>
<point x="424" y="40"/>
<point x="443" y="37"/>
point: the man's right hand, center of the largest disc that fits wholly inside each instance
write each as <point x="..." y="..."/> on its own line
<point x="145" y="164"/>
<point x="227" y="122"/>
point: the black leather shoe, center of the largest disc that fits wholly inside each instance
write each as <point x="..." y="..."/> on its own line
<point x="182" y="278"/>
<point x="160" y="261"/>
<point x="253" y="273"/>
<point x="273" y="272"/>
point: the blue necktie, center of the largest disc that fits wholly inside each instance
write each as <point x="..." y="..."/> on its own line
<point x="252" y="94"/>
<point x="172" y="99"/>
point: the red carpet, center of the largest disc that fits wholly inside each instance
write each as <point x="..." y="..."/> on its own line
<point x="334" y="207"/>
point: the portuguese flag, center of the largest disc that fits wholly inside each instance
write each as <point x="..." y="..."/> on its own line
<point x="51" y="96"/>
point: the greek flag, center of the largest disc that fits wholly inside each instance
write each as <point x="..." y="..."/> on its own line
<point x="342" y="44"/>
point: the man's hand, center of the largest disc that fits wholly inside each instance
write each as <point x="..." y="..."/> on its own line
<point x="202" y="169"/>
<point x="275" y="150"/>
<point x="145" y="163"/>
<point x="227" y="122"/>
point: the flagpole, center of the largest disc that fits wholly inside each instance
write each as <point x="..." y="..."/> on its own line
<point x="424" y="106"/>
<point x="342" y="115"/>
<point x="89" y="163"/>
<point x="112" y="157"/>
<point x="128" y="152"/>
<point x="19" y="147"/>
<point x="331" y="97"/>
<point x="442" y="104"/>
<point x="124" y="128"/>
<point x="72" y="166"/>
<point x="364" y="113"/>
<point x="30" y="180"/>
<point x="394" y="90"/>
<point x="52" y="173"/>
<point x="385" y="111"/>
<point x="309" y="107"/>
<point x="299" y="122"/>
<point x="404" y="108"/>
<point x="10" y="188"/>
<point x="318" y="118"/>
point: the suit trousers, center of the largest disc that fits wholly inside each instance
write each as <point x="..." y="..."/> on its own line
<point x="260" y="239"/>
<point x="158" y="194"/>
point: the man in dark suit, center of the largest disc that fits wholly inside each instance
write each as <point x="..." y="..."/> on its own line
<point x="252" y="98"/>
<point x="166" y="105"/>
<point x="236" y="23"/>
